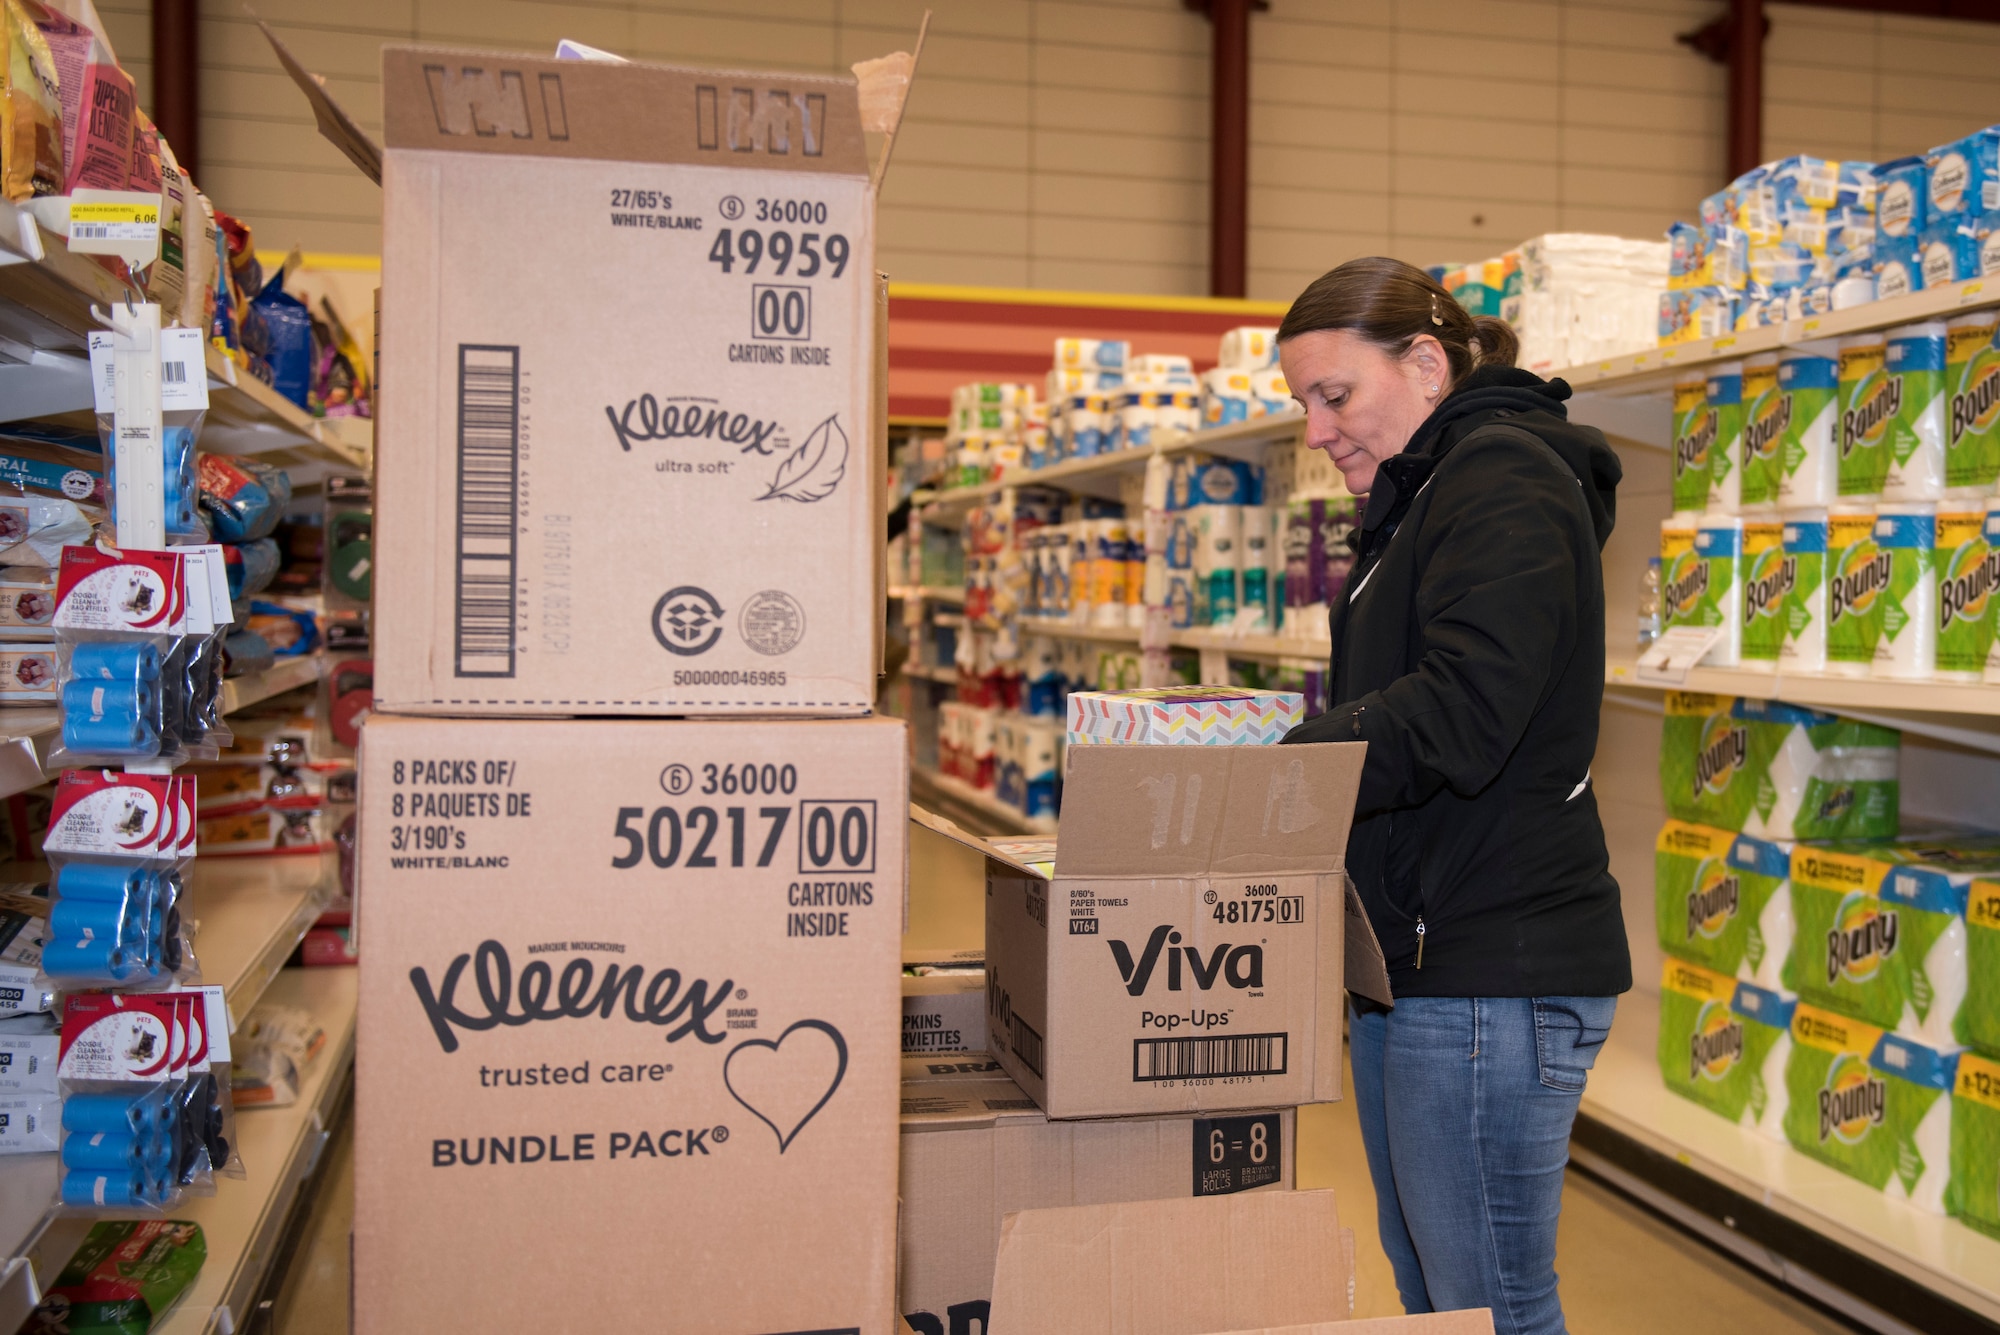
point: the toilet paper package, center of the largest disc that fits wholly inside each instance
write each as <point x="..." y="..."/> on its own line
<point x="1806" y="589"/>
<point x="1102" y="354"/>
<point x="1858" y="572"/>
<point x="1868" y="400"/>
<point x="1694" y="436"/>
<point x="1974" y="1193"/>
<point x="1711" y="907"/>
<point x="1916" y="373"/>
<point x="1716" y="1054"/>
<point x="1948" y="251"/>
<point x="1760" y="453"/>
<point x="1767" y="578"/>
<point x="1255" y="550"/>
<point x="1217" y="562"/>
<point x="1906" y="532"/>
<point x="1899" y="267"/>
<point x="1718" y="553"/>
<point x="1723" y="393"/>
<point x="1979" y="1017"/>
<point x="1965" y="567"/>
<point x="1809" y="381"/>
<point x="1819" y="776"/>
<point x="1273" y="394"/>
<point x="1902" y="192"/>
<point x="1963" y="177"/>
<point x="1226" y="396"/>
<point x="1875" y="1106"/>
<point x="1972" y="409"/>
<point x="1249" y="348"/>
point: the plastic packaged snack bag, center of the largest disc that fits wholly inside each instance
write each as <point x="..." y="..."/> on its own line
<point x="31" y="115"/>
<point x="1875" y="1106"/>
<point x="123" y="1278"/>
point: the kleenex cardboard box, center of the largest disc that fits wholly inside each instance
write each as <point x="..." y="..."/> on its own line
<point x="628" y="450"/>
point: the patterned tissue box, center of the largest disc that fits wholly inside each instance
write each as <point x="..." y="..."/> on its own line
<point x="1191" y="715"/>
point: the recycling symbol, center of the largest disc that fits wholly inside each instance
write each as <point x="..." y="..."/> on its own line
<point x="687" y="620"/>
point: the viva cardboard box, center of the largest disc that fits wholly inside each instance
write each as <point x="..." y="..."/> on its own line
<point x="632" y="314"/>
<point x="1190" y="951"/>
<point x="629" y="983"/>
<point x="1875" y="1106"/>
<point x="976" y="1148"/>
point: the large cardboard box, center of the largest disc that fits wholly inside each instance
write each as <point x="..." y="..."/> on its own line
<point x="976" y="1148"/>
<point x="628" y="452"/>
<point x="628" y="1046"/>
<point x="944" y="1012"/>
<point x="1191" y="950"/>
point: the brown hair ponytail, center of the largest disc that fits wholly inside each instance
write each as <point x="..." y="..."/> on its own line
<point x="1392" y="304"/>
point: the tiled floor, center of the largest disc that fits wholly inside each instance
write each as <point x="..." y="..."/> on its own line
<point x="1624" y="1272"/>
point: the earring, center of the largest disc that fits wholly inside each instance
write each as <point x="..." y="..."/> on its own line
<point x="1434" y="389"/>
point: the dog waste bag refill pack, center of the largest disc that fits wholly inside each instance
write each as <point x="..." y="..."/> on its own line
<point x="605" y="1005"/>
<point x="632" y="465"/>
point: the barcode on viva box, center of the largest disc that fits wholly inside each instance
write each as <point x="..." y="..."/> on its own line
<point x="1025" y="1042"/>
<point x="1191" y="1058"/>
<point x="489" y="502"/>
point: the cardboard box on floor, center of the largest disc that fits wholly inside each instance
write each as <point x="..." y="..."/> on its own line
<point x="603" y="1009"/>
<point x="944" y="1013"/>
<point x="1264" y="1263"/>
<point x="1191" y="950"/>
<point x="976" y="1148"/>
<point x="630" y="458"/>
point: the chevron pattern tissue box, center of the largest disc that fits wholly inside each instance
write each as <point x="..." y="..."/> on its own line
<point x="1192" y="715"/>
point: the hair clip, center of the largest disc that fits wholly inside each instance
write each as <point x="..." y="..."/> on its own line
<point x="1436" y="319"/>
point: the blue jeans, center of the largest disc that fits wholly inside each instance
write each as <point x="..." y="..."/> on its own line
<point x="1465" y="1107"/>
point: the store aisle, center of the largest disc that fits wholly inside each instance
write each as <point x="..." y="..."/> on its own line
<point x="317" y="1290"/>
<point x="1623" y="1269"/>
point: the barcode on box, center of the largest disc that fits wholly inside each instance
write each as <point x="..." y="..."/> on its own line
<point x="1025" y="1043"/>
<point x="1193" y="1058"/>
<point x="489" y="502"/>
<point x="174" y="373"/>
<point x="90" y="232"/>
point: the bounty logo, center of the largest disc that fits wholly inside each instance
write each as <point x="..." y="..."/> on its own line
<point x="1764" y="425"/>
<point x="1684" y="586"/>
<point x="1862" y="937"/>
<point x="1713" y="901"/>
<point x="1866" y="425"/>
<point x="1691" y="449"/>
<point x="1724" y="750"/>
<point x="1238" y="966"/>
<point x="1852" y="1102"/>
<point x="1861" y="579"/>
<point x="1966" y="584"/>
<point x="1716" y="1043"/>
<point x="1769" y="580"/>
<point x="1975" y="402"/>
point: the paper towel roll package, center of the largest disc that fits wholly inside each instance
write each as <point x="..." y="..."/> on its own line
<point x="1875" y="1106"/>
<point x="1974" y="1193"/>
<point x="1761" y="445"/>
<point x="1694" y="435"/>
<point x="1964" y="570"/>
<point x="1770" y="1009"/>
<point x="1714" y="1053"/>
<point x="1763" y="871"/>
<point x="1767" y="579"/>
<point x="1722" y="392"/>
<point x="1858" y="572"/>
<point x="1723" y="901"/>
<point x="1972" y="406"/>
<point x="1916" y="369"/>
<point x="1809" y="382"/>
<point x="1906" y="532"/>
<point x="1708" y="769"/>
<point x="1718" y="575"/>
<point x="1868" y="401"/>
<point x="1819" y="776"/>
<point x="1979" y="1016"/>
<point x="1806" y="588"/>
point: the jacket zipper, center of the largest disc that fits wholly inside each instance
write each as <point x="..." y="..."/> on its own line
<point x="1420" y="940"/>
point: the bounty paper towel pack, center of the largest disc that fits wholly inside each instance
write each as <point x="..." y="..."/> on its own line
<point x="1875" y="1106"/>
<point x="1972" y="406"/>
<point x="1709" y="771"/>
<point x="1761" y="446"/>
<point x="1868" y="401"/>
<point x="1858" y="572"/>
<point x="1718" y="551"/>
<point x="1809" y="379"/>
<point x="1723" y="393"/>
<point x="1916" y="366"/>
<point x="1974" y="1193"/>
<point x="1806" y="587"/>
<point x="1965" y="568"/>
<point x="1763" y="871"/>
<point x="1716" y="1054"/>
<point x="1694" y="437"/>
<point x="1979" y="1017"/>
<point x="1711" y="907"/>
<point x="1906" y="533"/>
<point x="1767" y="581"/>
<point x="1819" y="776"/>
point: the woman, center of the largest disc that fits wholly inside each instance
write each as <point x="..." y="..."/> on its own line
<point x="1468" y="652"/>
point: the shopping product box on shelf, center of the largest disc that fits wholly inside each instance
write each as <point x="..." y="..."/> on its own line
<point x="600" y="1003"/>
<point x="1190" y="949"/>
<point x="976" y="1148"/>
<point x="1777" y="771"/>
<point x="1724" y="1044"/>
<point x="1202" y="715"/>
<point x="944" y="1011"/>
<point x="1974" y="1192"/>
<point x="635" y="460"/>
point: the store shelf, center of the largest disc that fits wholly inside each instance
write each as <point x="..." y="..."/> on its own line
<point x="1253" y="646"/>
<point x="1967" y="715"/>
<point x="28" y="735"/>
<point x="1627" y="1096"/>
<point x="243" y="1223"/>
<point x="929" y="593"/>
<point x="928" y="786"/>
<point x="944" y="674"/>
<point x="1100" y="474"/>
<point x="1071" y="630"/>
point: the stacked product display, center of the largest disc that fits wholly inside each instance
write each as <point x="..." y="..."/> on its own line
<point x="1572" y="297"/>
<point x="1834" y="507"/>
<point x="1825" y="971"/>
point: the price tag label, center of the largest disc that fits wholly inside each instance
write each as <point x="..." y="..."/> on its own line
<point x="1668" y="658"/>
<point x="125" y="223"/>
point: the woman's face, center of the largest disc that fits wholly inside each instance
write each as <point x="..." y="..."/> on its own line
<point x="1362" y="404"/>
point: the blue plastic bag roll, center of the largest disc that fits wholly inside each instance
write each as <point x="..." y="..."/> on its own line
<point x="86" y="1189"/>
<point x="99" y="881"/>
<point x="115" y="660"/>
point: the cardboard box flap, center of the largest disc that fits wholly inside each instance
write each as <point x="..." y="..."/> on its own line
<point x="335" y="125"/>
<point x="474" y="101"/>
<point x="1147" y="811"/>
<point x="1364" y="969"/>
<point x="950" y="1105"/>
<point x="937" y="824"/>
<point x="1180" y="1267"/>
<point x="1469" y="1321"/>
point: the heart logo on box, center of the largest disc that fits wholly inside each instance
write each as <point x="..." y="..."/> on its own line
<point x="786" y="1081"/>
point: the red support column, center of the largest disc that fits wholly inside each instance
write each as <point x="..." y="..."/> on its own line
<point x="1229" y="158"/>
<point x="1746" y="85"/>
<point x="177" y="78"/>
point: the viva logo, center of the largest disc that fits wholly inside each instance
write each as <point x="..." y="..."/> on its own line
<point x="1716" y="1043"/>
<point x="1712" y="902"/>
<point x="1239" y="966"/>
<point x="1975" y="401"/>
<point x="1861" y="579"/>
<point x="1770" y="578"/>
<point x="1852" y="1102"/>
<point x="1764" y="425"/>
<point x="1862" y="937"/>
<point x="1966" y="584"/>
<point x="1691" y="448"/>
<point x="1724" y="750"/>
<point x="1865" y="425"/>
<point x="1684" y="586"/>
